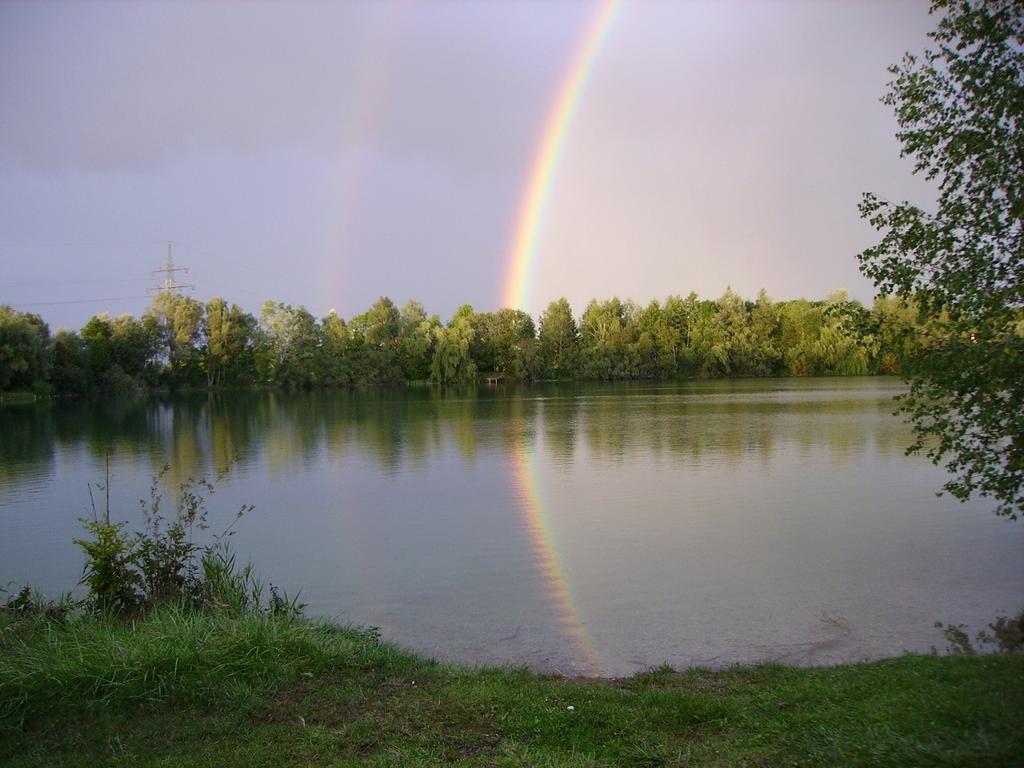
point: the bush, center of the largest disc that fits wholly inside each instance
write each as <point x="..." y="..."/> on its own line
<point x="113" y="581"/>
<point x="1006" y="635"/>
<point x="132" y="572"/>
<point x="27" y="604"/>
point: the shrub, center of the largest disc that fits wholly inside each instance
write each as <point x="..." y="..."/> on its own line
<point x="130" y="572"/>
<point x="1006" y="636"/>
<point x="110" y="572"/>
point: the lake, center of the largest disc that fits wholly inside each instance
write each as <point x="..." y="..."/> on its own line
<point x="588" y="529"/>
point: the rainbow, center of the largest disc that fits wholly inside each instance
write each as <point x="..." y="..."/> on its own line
<point x="547" y="157"/>
<point x="366" y="109"/>
<point x="550" y="567"/>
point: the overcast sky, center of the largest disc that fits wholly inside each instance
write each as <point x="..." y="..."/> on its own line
<point x="325" y="154"/>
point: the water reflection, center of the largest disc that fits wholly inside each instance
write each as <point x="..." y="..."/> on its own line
<point x="27" y="440"/>
<point x="579" y="528"/>
<point x="534" y="505"/>
<point x="403" y="428"/>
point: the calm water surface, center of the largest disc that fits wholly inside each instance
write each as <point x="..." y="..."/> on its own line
<point x="588" y="529"/>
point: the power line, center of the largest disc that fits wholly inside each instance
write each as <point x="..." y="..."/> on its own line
<point x="169" y="282"/>
<point x="78" y="301"/>
<point x="108" y="244"/>
<point x="235" y="289"/>
<point x="171" y="285"/>
<point x="250" y="268"/>
<point x="28" y="283"/>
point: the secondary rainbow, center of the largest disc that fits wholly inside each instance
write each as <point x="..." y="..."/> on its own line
<point x="546" y="159"/>
<point x="366" y="106"/>
<point x="550" y="567"/>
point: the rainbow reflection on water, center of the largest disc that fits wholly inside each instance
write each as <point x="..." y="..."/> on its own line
<point x="549" y="560"/>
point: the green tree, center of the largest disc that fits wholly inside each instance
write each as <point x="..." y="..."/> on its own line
<point x="96" y="335"/>
<point x="605" y="346"/>
<point x="381" y="325"/>
<point x="416" y="341"/>
<point x="335" y="369"/>
<point x="292" y="340"/>
<point x="374" y="341"/>
<point x="734" y="321"/>
<point x="68" y="363"/>
<point x="656" y="343"/>
<point x="119" y="353"/>
<point x="179" y="319"/>
<point x="216" y="329"/>
<point x="840" y="348"/>
<point x="513" y="339"/>
<point x="242" y="336"/>
<point x="671" y="335"/>
<point x="228" y="333"/>
<point x="682" y="315"/>
<point x="894" y="333"/>
<point x="710" y="343"/>
<point x="374" y="345"/>
<point x="800" y="324"/>
<point x="960" y="111"/>
<point x="134" y="345"/>
<point x="764" y="328"/>
<point x="558" y="340"/>
<point x="452" y="363"/>
<point x="24" y="348"/>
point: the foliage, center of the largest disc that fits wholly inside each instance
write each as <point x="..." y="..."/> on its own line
<point x="128" y="572"/>
<point x="68" y="366"/>
<point x="27" y="604"/>
<point x="604" y="341"/>
<point x="177" y="324"/>
<point x="452" y="363"/>
<point x="1004" y="635"/>
<point x="381" y="325"/>
<point x="167" y="555"/>
<point x="24" y="341"/>
<point x="175" y="652"/>
<point x="502" y="341"/>
<point x="960" y="110"/>
<point x="228" y="334"/>
<point x="416" y="342"/>
<point x="181" y="343"/>
<point x="110" y="573"/>
<point x="292" y="344"/>
<point x="180" y="686"/>
<point x="558" y="340"/>
<point x="235" y="677"/>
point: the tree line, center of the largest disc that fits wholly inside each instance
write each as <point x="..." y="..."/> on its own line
<point x="180" y="342"/>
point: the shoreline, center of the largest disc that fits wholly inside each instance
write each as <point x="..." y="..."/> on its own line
<point x="184" y="686"/>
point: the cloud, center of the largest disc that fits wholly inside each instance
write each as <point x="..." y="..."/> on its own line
<point x="121" y="86"/>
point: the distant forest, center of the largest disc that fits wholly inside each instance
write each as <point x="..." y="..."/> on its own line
<point x="182" y="343"/>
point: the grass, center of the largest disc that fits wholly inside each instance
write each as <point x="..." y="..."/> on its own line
<point x="181" y="686"/>
<point x="17" y="398"/>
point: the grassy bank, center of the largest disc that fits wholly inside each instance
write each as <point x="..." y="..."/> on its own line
<point x="17" y="398"/>
<point x="230" y="688"/>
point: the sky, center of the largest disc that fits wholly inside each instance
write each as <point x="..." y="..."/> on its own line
<point x="326" y="154"/>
